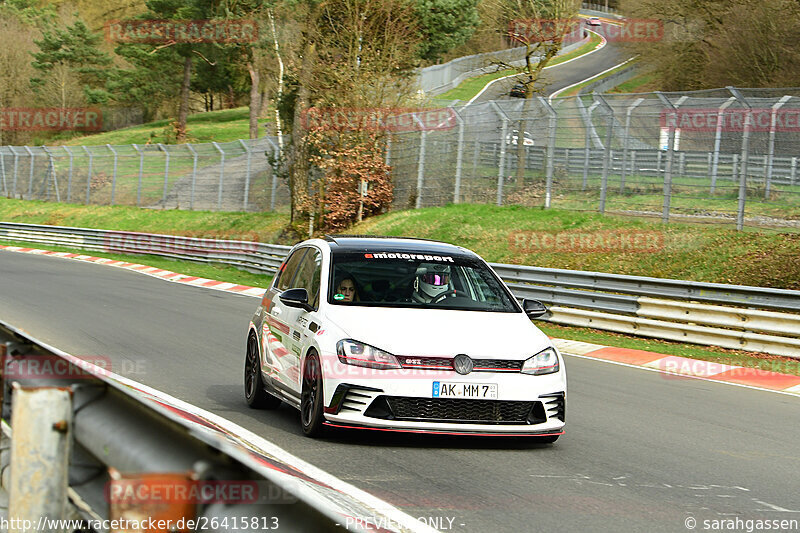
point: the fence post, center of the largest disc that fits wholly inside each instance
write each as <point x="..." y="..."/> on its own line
<point x="166" y="173"/>
<point x="69" y="176"/>
<point x="247" y="176"/>
<point x="55" y="178"/>
<point x="793" y="174"/>
<point x="194" y="175"/>
<point x="503" y="134"/>
<point x="606" y="151"/>
<point x="41" y="421"/>
<point x="221" y="175"/>
<point x="551" y="150"/>
<point x="3" y="172"/>
<point x="141" y="169"/>
<point x="748" y="119"/>
<point x="771" y="149"/>
<point x="30" y="174"/>
<point x="88" y="174"/>
<point x="277" y="152"/>
<point x="735" y="168"/>
<point x="114" y="177"/>
<point x="388" y="148"/>
<point x="718" y="140"/>
<point x="459" y="156"/>
<point x="626" y="139"/>
<point x="16" y="165"/>
<point x="670" y="150"/>
<point x="423" y="138"/>
<point x="587" y="145"/>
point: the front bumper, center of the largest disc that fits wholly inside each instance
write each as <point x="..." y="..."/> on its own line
<point x="525" y="405"/>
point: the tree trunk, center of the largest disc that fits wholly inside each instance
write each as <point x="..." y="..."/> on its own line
<point x="255" y="99"/>
<point x="183" y="109"/>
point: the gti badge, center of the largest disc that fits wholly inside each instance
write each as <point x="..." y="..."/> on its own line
<point x="462" y="364"/>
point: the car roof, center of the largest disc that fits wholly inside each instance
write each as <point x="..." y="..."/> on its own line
<point x="376" y="243"/>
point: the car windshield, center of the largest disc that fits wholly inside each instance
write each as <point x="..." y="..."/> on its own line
<point x="411" y="279"/>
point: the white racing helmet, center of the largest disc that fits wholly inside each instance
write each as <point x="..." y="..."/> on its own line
<point x="432" y="281"/>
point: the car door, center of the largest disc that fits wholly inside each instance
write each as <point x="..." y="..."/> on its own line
<point x="308" y="277"/>
<point x="277" y="332"/>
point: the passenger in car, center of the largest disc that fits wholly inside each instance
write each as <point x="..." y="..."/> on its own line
<point x="348" y="288"/>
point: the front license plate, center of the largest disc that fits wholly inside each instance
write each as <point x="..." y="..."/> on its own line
<point x="486" y="391"/>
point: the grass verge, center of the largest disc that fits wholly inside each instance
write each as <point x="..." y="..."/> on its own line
<point x="221" y="126"/>
<point x="575" y="90"/>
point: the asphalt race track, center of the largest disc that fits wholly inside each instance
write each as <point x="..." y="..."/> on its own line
<point x="642" y="452"/>
<point x="564" y="75"/>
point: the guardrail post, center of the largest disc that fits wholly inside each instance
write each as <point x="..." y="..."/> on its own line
<point x="69" y="176"/>
<point x="503" y="135"/>
<point x="626" y="140"/>
<point x="551" y="150"/>
<point x="194" y="175"/>
<point x="221" y="175"/>
<point x="771" y="149"/>
<point x="41" y="422"/>
<point x="420" y="160"/>
<point x="718" y="140"/>
<point x="459" y="156"/>
<point x="606" y="150"/>
<point x="30" y="177"/>
<point x="276" y="157"/>
<point x="55" y="178"/>
<point x="748" y="120"/>
<point x="88" y="174"/>
<point x="587" y="145"/>
<point x="114" y="176"/>
<point x="388" y="149"/>
<point x="793" y="172"/>
<point x="166" y="173"/>
<point x="247" y="176"/>
<point x="141" y="169"/>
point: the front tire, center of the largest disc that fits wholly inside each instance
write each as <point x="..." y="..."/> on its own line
<point x="312" y="398"/>
<point x="254" y="393"/>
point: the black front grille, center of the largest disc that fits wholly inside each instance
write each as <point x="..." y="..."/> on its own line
<point x="446" y="363"/>
<point x="555" y="404"/>
<point x="497" y="364"/>
<point x="432" y="363"/>
<point x="457" y="410"/>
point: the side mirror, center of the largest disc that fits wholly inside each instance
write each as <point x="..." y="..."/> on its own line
<point x="296" y="298"/>
<point x="533" y="308"/>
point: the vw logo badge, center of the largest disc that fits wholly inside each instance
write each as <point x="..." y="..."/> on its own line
<point x="462" y="364"/>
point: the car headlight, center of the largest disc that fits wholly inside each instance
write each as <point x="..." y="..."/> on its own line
<point x="544" y="362"/>
<point x="356" y="353"/>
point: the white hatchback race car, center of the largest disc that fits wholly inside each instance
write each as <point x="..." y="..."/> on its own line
<point x="402" y="335"/>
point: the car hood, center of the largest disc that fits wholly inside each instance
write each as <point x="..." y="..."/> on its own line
<point x="439" y="332"/>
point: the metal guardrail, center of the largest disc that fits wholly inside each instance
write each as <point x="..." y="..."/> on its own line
<point x="726" y="315"/>
<point x="77" y="428"/>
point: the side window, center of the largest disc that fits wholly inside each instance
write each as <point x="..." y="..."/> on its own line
<point x="309" y="274"/>
<point x="284" y="280"/>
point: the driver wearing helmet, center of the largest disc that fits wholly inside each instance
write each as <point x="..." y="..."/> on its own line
<point x="431" y="282"/>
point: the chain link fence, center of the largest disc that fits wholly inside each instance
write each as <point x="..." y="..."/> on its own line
<point x="233" y="176"/>
<point x="723" y="155"/>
